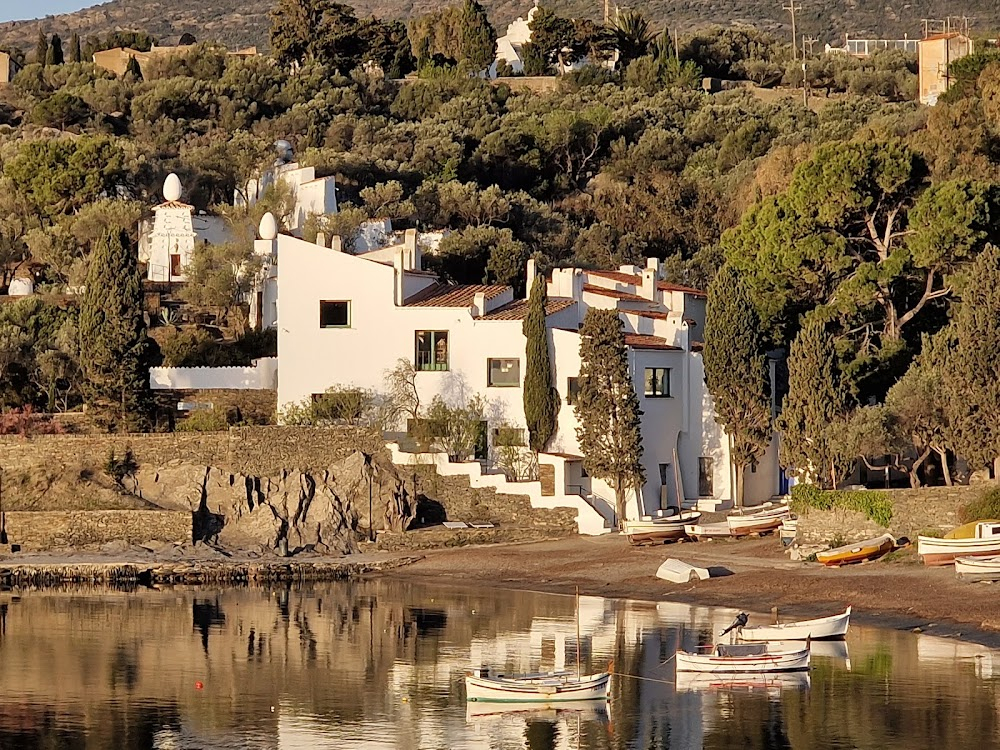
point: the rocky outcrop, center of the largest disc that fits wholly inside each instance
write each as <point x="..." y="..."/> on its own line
<point x="325" y="511"/>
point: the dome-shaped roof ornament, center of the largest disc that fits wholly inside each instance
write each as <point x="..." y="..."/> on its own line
<point x="284" y="152"/>
<point x="268" y="229"/>
<point x="172" y="188"/>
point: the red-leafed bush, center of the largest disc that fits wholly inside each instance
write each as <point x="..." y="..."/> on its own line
<point x="25" y="422"/>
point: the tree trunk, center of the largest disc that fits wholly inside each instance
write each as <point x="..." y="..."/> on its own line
<point x="620" y="501"/>
<point x="943" y="455"/>
<point x="915" y="468"/>
<point x="740" y="484"/>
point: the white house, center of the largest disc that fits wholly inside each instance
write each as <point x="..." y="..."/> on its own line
<point x="510" y="44"/>
<point x="313" y="195"/>
<point x="346" y="319"/>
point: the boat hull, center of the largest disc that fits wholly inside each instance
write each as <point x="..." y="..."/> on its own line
<point x="934" y="551"/>
<point x="782" y="661"/>
<point x="659" y="531"/>
<point x="818" y="629"/>
<point x="855" y="553"/>
<point x="978" y="568"/>
<point x="708" y="531"/>
<point x="741" y="524"/>
<point x="543" y="691"/>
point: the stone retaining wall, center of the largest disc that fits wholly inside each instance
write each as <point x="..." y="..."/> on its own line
<point x="913" y="512"/>
<point x="45" y="530"/>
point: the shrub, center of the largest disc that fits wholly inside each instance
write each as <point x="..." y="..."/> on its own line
<point x="204" y="420"/>
<point x="194" y="348"/>
<point x="875" y="505"/>
<point x="120" y="468"/>
<point x="25" y="422"/>
<point x="986" y="506"/>
<point x="358" y="407"/>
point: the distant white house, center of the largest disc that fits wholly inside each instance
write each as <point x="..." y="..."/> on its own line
<point x="346" y="319"/>
<point x="509" y="46"/>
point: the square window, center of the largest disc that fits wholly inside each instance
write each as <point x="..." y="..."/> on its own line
<point x="572" y="389"/>
<point x="431" y="350"/>
<point x="509" y="437"/>
<point x="657" y="382"/>
<point x="334" y="314"/>
<point x="503" y="373"/>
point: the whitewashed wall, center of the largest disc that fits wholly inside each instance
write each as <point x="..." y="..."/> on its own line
<point x="263" y="375"/>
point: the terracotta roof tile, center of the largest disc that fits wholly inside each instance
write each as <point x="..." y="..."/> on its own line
<point x="566" y="456"/>
<point x="644" y="341"/>
<point x="655" y="315"/>
<point x="518" y="309"/>
<point x="453" y="295"/>
<point x="624" y="296"/>
<point x="666" y="286"/>
<point x="624" y="278"/>
<point x="173" y="204"/>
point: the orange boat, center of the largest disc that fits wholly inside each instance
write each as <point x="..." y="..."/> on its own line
<point x="869" y="549"/>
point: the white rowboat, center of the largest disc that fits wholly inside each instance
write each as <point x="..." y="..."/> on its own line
<point x="708" y="530"/>
<point x="745" y="658"/>
<point x="545" y="689"/>
<point x="678" y="571"/>
<point x="936" y="551"/>
<point x="834" y="626"/>
<point x="978" y="568"/>
<point x="670" y="528"/>
<point x="757" y="520"/>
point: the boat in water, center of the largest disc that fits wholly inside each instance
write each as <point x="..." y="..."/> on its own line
<point x="985" y="543"/>
<point x="743" y="658"/>
<point x="659" y="530"/>
<point x="547" y="688"/>
<point x="834" y="626"/>
<point x="869" y="549"/>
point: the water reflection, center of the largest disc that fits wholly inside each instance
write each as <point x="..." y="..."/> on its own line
<point x="379" y="664"/>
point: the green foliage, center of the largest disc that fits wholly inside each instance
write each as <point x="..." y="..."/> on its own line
<point x="481" y="254"/>
<point x="541" y="400"/>
<point x="736" y="371"/>
<point x="478" y="38"/>
<point x="607" y="408"/>
<point x="113" y="343"/>
<point x="220" y="277"/>
<point x="204" y="420"/>
<point x="984" y="508"/>
<point x="875" y="505"/>
<point x="457" y="430"/>
<point x="54" y="54"/>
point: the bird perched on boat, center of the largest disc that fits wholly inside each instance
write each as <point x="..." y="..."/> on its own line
<point x="738" y="623"/>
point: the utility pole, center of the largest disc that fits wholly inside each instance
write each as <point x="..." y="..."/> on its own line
<point x="793" y="8"/>
<point x="607" y="11"/>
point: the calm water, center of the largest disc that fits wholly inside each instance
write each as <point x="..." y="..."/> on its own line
<point x="379" y="664"/>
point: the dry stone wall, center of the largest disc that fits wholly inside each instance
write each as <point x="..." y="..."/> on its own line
<point x="54" y="529"/>
<point x="913" y="512"/>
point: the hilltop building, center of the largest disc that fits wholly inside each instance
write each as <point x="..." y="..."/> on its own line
<point x="935" y="54"/>
<point x="9" y="68"/>
<point x="116" y="59"/>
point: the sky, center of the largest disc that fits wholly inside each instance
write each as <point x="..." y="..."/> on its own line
<point x="11" y="10"/>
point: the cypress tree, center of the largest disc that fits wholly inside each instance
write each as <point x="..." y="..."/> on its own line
<point x="735" y="371"/>
<point x="607" y="408"/>
<point x="75" y="54"/>
<point x="55" y="55"/>
<point x="815" y="401"/>
<point x="113" y="343"/>
<point x="478" y="37"/>
<point x="541" y="401"/>
<point x="42" y="49"/>
<point x="132" y="70"/>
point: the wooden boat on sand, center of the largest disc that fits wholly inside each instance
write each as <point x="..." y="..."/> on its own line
<point x="869" y="549"/>
<point x="549" y="688"/>
<point x="986" y="543"/>
<point x="741" y="658"/>
<point x="978" y="568"/>
<point x="834" y="626"/>
<point x="757" y="520"/>
<point x="659" y="530"/>
<point x="708" y="531"/>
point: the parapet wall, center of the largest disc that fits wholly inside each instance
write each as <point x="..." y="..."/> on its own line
<point x="913" y="512"/>
<point x="54" y="529"/>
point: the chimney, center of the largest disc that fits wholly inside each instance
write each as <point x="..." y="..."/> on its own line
<point x="321" y="239"/>
<point x="479" y="305"/>
<point x="653" y="263"/>
<point x="412" y="251"/>
<point x="530" y="274"/>
<point x="399" y="265"/>
<point x="336" y="244"/>
<point x="649" y="284"/>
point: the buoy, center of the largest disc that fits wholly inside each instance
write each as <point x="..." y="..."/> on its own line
<point x="199" y="685"/>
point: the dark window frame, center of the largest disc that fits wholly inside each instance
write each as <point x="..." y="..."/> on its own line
<point x="489" y="372"/>
<point x="572" y="389"/>
<point x="426" y="360"/>
<point x="706" y="476"/>
<point x="347" y="309"/>
<point x="665" y="382"/>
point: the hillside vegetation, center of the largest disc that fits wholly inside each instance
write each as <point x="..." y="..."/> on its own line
<point x="244" y="22"/>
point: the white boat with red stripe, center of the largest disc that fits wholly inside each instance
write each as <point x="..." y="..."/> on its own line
<point x="745" y="658"/>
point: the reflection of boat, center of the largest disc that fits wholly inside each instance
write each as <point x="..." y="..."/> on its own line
<point x="586" y="710"/>
<point x="869" y="549"/>
<point x="831" y="650"/>
<point x="978" y="568"/>
<point x="730" y="682"/>
<point x="936" y="551"/>
<point x="708" y="530"/>
<point x="745" y="657"/>
<point x="761" y="518"/>
<point x="544" y="688"/>
<point x="666" y="529"/>
<point x="834" y="626"/>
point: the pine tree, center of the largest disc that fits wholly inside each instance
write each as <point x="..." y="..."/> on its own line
<point x="815" y="401"/>
<point x="735" y="371"/>
<point x="541" y="401"/>
<point x="969" y="366"/>
<point x="132" y="70"/>
<point x="478" y="37"/>
<point x="113" y="343"/>
<point x="55" y="56"/>
<point x="607" y="408"/>
<point x="75" y="54"/>
<point x="41" y="49"/>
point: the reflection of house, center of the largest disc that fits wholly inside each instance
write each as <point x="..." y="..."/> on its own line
<point x="116" y="59"/>
<point x="467" y="340"/>
<point x="8" y="68"/>
<point x="936" y="53"/>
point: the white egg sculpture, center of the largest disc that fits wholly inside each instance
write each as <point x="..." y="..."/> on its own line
<point x="172" y="188"/>
<point x="268" y="229"/>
